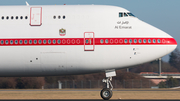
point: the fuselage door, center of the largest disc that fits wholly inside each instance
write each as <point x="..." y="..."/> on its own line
<point x="36" y="16"/>
<point x="89" y="42"/>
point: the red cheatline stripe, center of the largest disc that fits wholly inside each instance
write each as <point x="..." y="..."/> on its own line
<point x="86" y="41"/>
<point x="136" y="41"/>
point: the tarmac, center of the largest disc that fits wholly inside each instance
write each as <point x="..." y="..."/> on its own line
<point x="89" y="90"/>
<point x="91" y="100"/>
<point x="95" y="99"/>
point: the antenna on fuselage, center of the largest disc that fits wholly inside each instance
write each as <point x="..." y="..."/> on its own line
<point x="27" y="3"/>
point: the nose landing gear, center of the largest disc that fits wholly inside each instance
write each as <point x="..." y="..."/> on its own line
<point x="106" y="93"/>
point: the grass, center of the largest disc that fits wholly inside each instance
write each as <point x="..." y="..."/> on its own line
<point x="41" y="94"/>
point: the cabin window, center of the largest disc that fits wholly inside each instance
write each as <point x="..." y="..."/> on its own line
<point x="116" y="41"/>
<point x="20" y="41"/>
<point x="159" y="41"/>
<point x="54" y="41"/>
<point x="87" y="41"/>
<point x="44" y="41"/>
<point x="64" y="17"/>
<point x="59" y="17"/>
<point x="35" y="41"/>
<point x="130" y="41"/>
<point x="154" y="41"/>
<point x="7" y="17"/>
<point x="16" y="17"/>
<point x="40" y="41"/>
<point x="30" y="41"/>
<point x="2" y="18"/>
<point x="12" y="17"/>
<point x="21" y="17"/>
<point x="106" y="41"/>
<point x="54" y="17"/>
<point x="16" y="42"/>
<point x="2" y="42"/>
<point x="7" y="41"/>
<point x="102" y="41"/>
<point x="149" y="41"/>
<point x="135" y="41"/>
<point x="25" y="41"/>
<point x="49" y="41"/>
<point x="26" y="17"/>
<point x="11" y="42"/>
<point x="59" y="41"/>
<point x="125" y="41"/>
<point x="140" y="40"/>
<point x="144" y="40"/>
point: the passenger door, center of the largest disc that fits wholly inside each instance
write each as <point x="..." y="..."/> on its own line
<point x="89" y="41"/>
<point x="36" y="16"/>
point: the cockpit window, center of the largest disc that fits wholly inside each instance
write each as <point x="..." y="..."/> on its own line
<point x="130" y="14"/>
<point x="124" y="14"/>
<point x="120" y="14"/>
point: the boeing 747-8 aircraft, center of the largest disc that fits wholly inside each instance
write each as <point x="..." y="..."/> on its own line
<point x="76" y="39"/>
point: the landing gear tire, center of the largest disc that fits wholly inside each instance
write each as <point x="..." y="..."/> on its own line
<point x="106" y="93"/>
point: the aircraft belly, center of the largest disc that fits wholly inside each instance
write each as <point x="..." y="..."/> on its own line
<point x="46" y="61"/>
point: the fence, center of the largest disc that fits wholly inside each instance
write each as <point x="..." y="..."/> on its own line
<point x="99" y="84"/>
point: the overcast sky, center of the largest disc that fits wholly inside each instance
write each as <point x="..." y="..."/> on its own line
<point x="163" y="14"/>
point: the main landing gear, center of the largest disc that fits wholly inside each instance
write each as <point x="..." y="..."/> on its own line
<point x="106" y="93"/>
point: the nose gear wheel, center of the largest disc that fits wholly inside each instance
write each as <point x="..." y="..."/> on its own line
<point x="106" y="93"/>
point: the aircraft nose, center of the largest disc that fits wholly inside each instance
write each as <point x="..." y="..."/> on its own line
<point x="171" y="44"/>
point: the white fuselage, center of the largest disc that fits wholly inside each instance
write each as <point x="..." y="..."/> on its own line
<point x="67" y="39"/>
